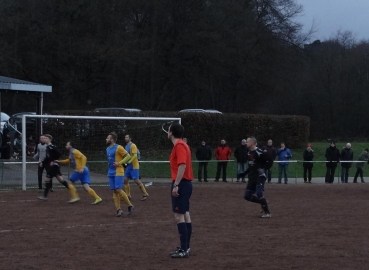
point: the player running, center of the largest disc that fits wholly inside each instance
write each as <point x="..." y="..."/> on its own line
<point x="258" y="162"/>
<point x="117" y="156"/>
<point x="81" y="173"/>
<point x="51" y="166"/>
<point x="132" y="169"/>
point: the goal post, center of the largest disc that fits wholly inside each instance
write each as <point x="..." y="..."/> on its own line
<point x="113" y="123"/>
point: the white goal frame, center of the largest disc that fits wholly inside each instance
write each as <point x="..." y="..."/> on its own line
<point x="24" y="131"/>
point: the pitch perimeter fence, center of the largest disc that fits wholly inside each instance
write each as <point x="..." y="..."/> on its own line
<point x="159" y="171"/>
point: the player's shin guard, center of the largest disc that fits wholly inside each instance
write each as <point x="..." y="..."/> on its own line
<point x="143" y="189"/>
<point x="124" y="197"/>
<point x="127" y="189"/>
<point x="189" y="232"/>
<point x="183" y="235"/>
<point x="47" y="188"/>
<point x="264" y="205"/>
<point x="65" y="183"/>
<point x="116" y="200"/>
<point x="92" y="193"/>
<point x="72" y="191"/>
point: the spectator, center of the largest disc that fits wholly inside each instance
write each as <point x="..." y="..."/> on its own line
<point x="185" y="140"/>
<point x="364" y="157"/>
<point x="272" y="153"/>
<point x="283" y="154"/>
<point x="332" y="154"/>
<point x="31" y="146"/>
<point x="12" y="127"/>
<point x="17" y="147"/>
<point x="222" y="154"/>
<point x="241" y="155"/>
<point x="308" y="156"/>
<point x="346" y="155"/>
<point x="203" y="153"/>
<point x="5" y="144"/>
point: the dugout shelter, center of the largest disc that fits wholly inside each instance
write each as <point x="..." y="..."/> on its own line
<point x="36" y="90"/>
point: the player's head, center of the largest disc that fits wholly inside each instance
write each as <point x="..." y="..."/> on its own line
<point x="222" y="142"/>
<point x="283" y="145"/>
<point x="69" y="145"/>
<point x="42" y="139"/>
<point x="243" y="142"/>
<point x="48" y="138"/>
<point x="270" y="142"/>
<point x="112" y="138"/>
<point x="175" y="131"/>
<point x="128" y="138"/>
<point x="251" y="143"/>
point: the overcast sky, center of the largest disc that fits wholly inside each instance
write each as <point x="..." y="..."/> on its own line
<point x="333" y="15"/>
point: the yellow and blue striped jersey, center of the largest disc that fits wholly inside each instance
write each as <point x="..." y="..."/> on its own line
<point x="116" y="153"/>
<point x="77" y="159"/>
<point x="131" y="148"/>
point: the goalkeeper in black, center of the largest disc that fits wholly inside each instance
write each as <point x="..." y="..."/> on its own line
<point x="258" y="162"/>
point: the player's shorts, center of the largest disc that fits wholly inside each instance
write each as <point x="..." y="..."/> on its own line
<point x="181" y="204"/>
<point x="131" y="173"/>
<point x="115" y="182"/>
<point x="254" y="182"/>
<point x="84" y="177"/>
<point x="53" y="171"/>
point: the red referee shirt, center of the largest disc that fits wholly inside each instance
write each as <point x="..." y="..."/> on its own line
<point x="181" y="154"/>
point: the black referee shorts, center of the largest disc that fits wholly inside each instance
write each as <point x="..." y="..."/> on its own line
<point x="53" y="171"/>
<point x="181" y="204"/>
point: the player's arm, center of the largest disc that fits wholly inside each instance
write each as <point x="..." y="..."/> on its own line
<point x="124" y="154"/>
<point x="80" y="159"/>
<point x="134" y="153"/>
<point x="63" y="161"/>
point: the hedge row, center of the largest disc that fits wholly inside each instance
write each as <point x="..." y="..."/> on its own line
<point x="291" y="129"/>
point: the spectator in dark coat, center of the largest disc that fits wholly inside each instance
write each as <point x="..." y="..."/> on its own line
<point x="5" y="144"/>
<point x="364" y="157"/>
<point x="308" y="157"/>
<point x="222" y="154"/>
<point x="203" y="153"/>
<point x="272" y="153"/>
<point x="241" y="155"/>
<point x="332" y="154"/>
<point x="346" y="155"/>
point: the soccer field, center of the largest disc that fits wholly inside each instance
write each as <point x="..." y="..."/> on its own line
<point x="312" y="227"/>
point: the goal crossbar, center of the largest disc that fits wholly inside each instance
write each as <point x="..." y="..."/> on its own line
<point x="24" y="135"/>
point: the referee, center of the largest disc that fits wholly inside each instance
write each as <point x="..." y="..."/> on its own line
<point x="258" y="163"/>
<point x="182" y="176"/>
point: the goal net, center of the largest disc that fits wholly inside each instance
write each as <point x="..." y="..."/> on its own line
<point x="89" y="136"/>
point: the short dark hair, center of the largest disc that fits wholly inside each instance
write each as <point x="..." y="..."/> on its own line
<point x="114" y="136"/>
<point x="177" y="130"/>
<point x="129" y="136"/>
<point x="72" y="144"/>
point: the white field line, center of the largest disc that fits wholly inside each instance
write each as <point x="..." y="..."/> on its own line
<point x="22" y="201"/>
<point x="76" y="226"/>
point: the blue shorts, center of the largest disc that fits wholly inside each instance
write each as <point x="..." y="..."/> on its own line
<point x="84" y="177"/>
<point x="131" y="173"/>
<point x="181" y="204"/>
<point x="115" y="182"/>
